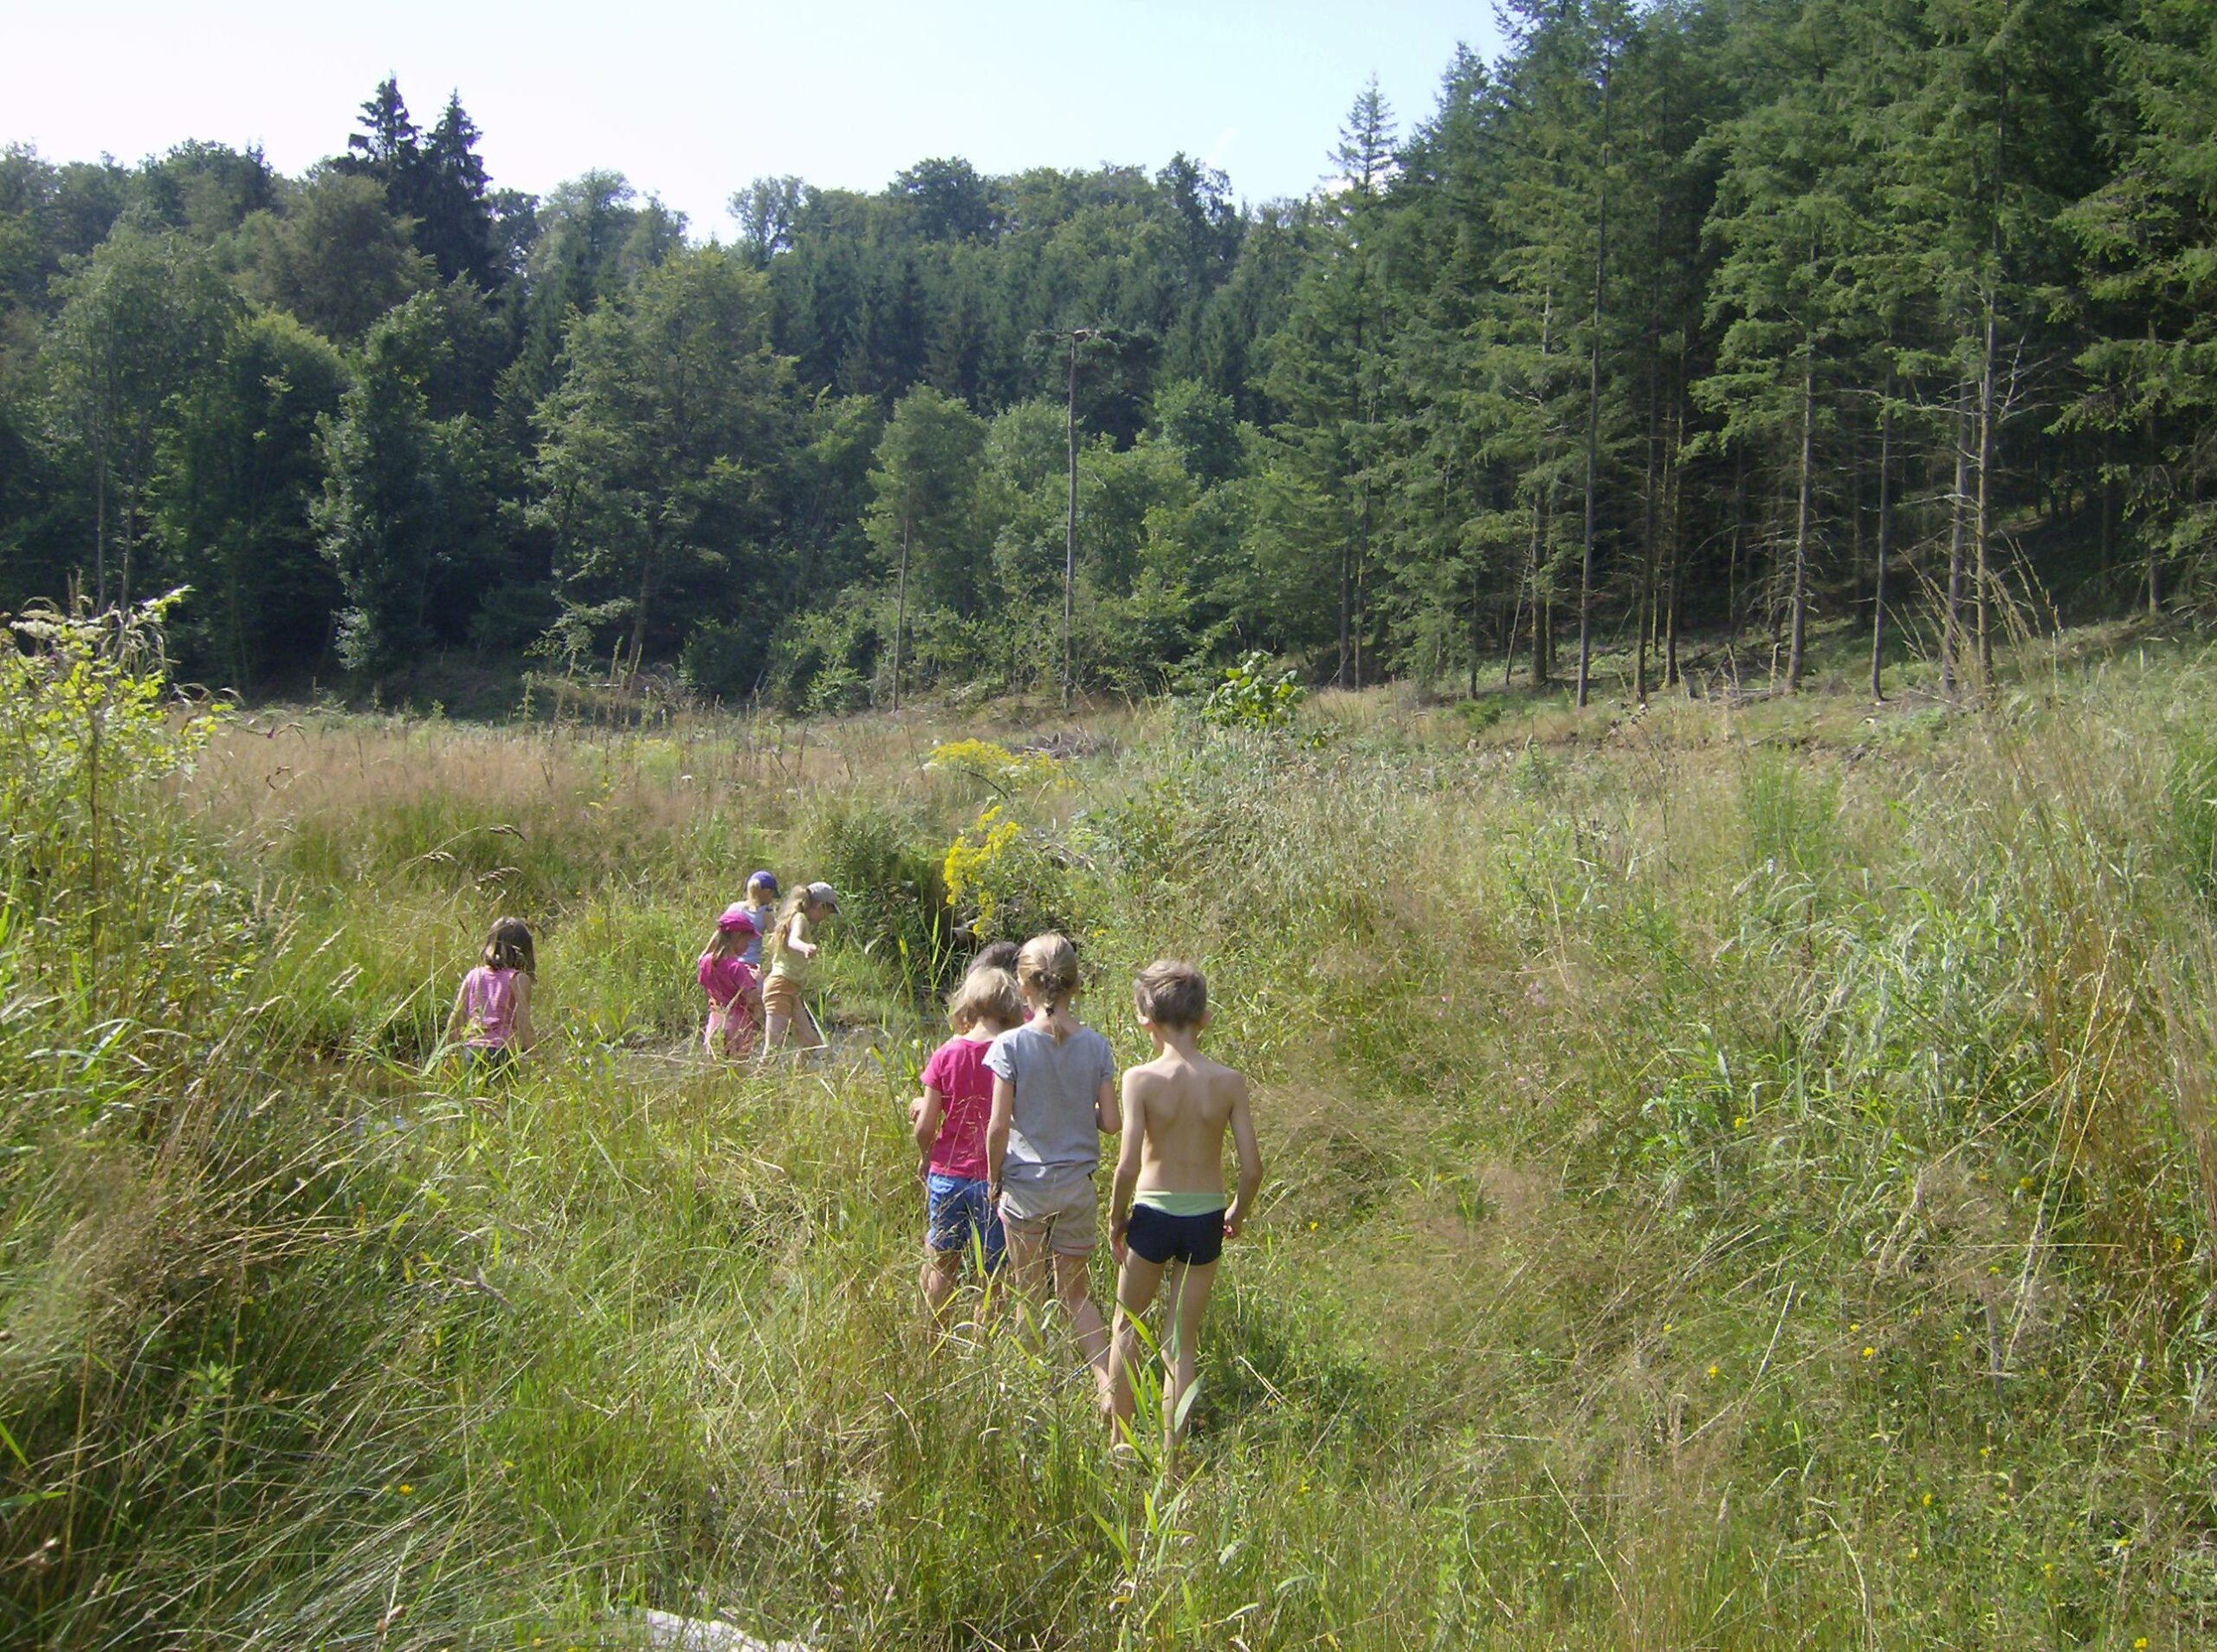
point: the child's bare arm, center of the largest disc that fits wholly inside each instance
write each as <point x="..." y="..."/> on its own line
<point x="457" y="1015"/>
<point x="926" y="1120"/>
<point x="1251" y="1164"/>
<point x="526" y="1034"/>
<point x="1107" y="1117"/>
<point x="1128" y="1164"/>
<point x="997" y="1127"/>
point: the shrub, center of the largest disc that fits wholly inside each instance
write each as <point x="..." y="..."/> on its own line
<point x="1251" y="696"/>
<point x="891" y="893"/>
<point x="1008" y="880"/>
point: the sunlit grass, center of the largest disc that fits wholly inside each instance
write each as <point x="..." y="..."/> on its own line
<point x="1738" y="1177"/>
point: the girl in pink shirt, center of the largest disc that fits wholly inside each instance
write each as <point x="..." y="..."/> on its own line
<point x="950" y="1126"/>
<point x="733" y="989"/>
<point x="491" y="1017"/>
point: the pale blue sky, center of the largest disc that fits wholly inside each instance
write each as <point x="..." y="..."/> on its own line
<point x="692" y="99"/>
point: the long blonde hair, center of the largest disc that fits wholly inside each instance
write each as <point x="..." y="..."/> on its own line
<point x="775" y="946"/>
<point x="1048" y="965"/>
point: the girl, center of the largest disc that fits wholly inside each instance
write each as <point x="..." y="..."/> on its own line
<point x="761" y="904"/>
<point x="735" y="999"/>
<point x="492" y="1012"/>
<point x="1054" y="1097"/>
<point x="789" y="952"/>
<point x="950" y="1131"/>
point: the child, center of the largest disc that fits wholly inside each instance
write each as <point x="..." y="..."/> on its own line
<point x="1177" y="1108"/>
<point x="951" y="1133"/>
<point x="790" y="950"/>
<point x="492" y="1010"/>
<point x="761" y="904"/>
<point x="734" y="997"/>
<point x="1054" y="1095"/>
<point x="996" y="955"/>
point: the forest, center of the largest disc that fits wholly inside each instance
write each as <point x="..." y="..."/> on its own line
<point x="1680" y="335"/>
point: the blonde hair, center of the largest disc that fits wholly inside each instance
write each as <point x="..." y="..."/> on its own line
<point x="1048" y="968"/>
<point x="774" y="944"/>
<point x="508" y="946"/>
<point x="1171" y="993"/>
<point x="985" y="995"/>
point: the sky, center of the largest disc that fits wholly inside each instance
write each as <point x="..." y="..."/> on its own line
<point x="691" y="100"/>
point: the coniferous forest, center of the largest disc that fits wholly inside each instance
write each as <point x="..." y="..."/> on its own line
<point x="1679" y="323"/>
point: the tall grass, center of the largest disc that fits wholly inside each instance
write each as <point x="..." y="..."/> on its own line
<point x="1738" y="1179"/>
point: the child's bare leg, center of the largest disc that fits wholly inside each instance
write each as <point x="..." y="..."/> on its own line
<point x="1027" y="1269"/>
<point x="1136" y="1283"/>
<point x="1086" y="1324"/>
<point x="773" y="1029"/>
<point x="942" y="1268"/>
<point x="1189" y="1300"/>
<point x="805" y="1026"/>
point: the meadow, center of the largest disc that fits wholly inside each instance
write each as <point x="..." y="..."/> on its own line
<point x="1741" y="1175"/>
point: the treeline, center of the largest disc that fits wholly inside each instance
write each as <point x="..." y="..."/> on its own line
<point x="1677" y="320"/>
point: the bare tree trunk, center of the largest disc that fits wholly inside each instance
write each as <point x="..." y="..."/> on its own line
<point x="1982" y="529"/>
<point x="1593" y="401"/>
<point x="99" y="523"/>
<point x="1739" y="535"/>
<point x="1647" y="618"/>
<point x="1673" y="494"/>
<point x="1951" y="621"/>
<point x="901" y="621"/>
<point x="1885" y="538"/>
<point x="1796" y="649"/>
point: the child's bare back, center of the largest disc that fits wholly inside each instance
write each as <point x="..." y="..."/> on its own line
<point x="1180" y="1104"/>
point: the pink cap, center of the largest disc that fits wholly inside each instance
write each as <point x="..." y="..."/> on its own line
<point x="736" y="916"/>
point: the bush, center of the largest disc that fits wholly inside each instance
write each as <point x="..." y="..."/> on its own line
<point x="1251" y="696"/>
<point x="1008" y="880"/>
<point x="891" y="893"/>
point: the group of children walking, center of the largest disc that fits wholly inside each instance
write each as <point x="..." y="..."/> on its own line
<point x="1009" y="1124"/>
<point x="749" y="1007"/>
<point x="745" y="1003"/>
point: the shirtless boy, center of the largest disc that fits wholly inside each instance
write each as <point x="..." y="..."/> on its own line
<point x="1167" y="1219"/>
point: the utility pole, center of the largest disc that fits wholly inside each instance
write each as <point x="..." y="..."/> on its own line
<point x="1069" y="543"/>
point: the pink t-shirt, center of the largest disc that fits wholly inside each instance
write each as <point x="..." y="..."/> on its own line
<point x="957" y="1070"/>
<point x="488" y="998"/>
<point x="724" y="980"/>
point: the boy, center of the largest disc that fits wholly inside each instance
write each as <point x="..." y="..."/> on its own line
<point x="1167" y="1215"/>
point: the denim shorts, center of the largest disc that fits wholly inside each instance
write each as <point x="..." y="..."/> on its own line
<point x="956" y="1209"/>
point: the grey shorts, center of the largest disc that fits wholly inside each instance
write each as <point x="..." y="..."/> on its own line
<point x="1053" y="1203"/>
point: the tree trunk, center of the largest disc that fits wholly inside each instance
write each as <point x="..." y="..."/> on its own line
<point x="1797" y="646"/>
<point x="1647" y="618"/>
<point x="901" y="621"/>
<point x="1951" y="619"/>
<point x="99" y="523"/>
<point x="1982" y="527"/>
<point x="1593" y="403"/>
<point x="1069" y="545"/>
<point x="1885" y="538"/>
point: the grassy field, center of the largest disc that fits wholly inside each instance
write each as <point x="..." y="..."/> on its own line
<point x="1738" y="1179"/>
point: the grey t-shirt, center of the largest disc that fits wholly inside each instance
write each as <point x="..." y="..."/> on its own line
<point x="1053" y="1124"/>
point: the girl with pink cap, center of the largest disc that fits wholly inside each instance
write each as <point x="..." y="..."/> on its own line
<point x="732" y="983"/>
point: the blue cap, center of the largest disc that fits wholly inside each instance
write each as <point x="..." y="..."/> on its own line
<point x="769" y="880"/>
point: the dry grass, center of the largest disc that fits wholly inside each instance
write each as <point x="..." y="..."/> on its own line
<point x="1737" y="1178"/>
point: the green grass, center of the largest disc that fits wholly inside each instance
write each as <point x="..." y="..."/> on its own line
<point x="1736" y="1179"/>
